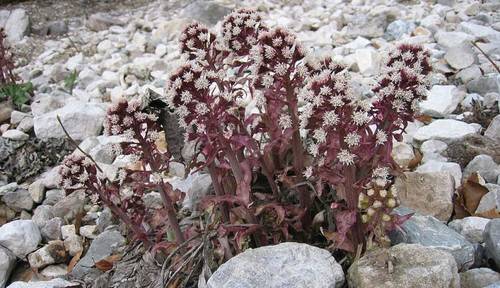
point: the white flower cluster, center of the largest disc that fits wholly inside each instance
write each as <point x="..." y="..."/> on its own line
<point x="240" y="30"/>
<point x="74" y="172"/>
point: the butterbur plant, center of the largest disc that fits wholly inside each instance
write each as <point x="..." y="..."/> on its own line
<point x="247" y="96"/>
<point x="139" y="132"/>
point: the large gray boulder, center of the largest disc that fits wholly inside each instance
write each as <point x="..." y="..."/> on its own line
<point x="402" y="266"/>
<point x="430" y="232"/>
<point x="20" y="236"/>
<point x="290" y="265"/>
<point x="17" y="25"/>
<point x="478" y="278"/>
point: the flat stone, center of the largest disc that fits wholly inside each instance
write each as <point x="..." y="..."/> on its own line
<point x="431" y="166"/>
<point x="490" y="201"/>
<point x="42" y="215"/>
<point x="480" y="31"/>
<point x="484" y="84"/>
<point x="69" y="206"/>
<point x="427" y="193"/>
<point x="102" y="21"/>
<point x="53" y="196"/>
<point x="20" y="236"/>
<point x="54" y="271"/>
<point x="396" y="29"/>
<point x="15" y="135"/>
<point x="430" y="232"/>
<point x="444" y="129"/>
<point x="101" y="247"/>
<point x="73" y="244"/>
<point x="80" y="119"/>
<point x="11" y="187"/>
<point x="471" y="228"/>
<point x="453" y="39"/>
<point x="402" y="153"/>
<point x="368" y="61"/>
<point x="442" y="100"/>
<point x="460" y="57"/>
<point x="413" y="265"/>
<point x="52" y="229"/>
<point x="284" y="265"/>
<point x="37" y="191"/>
<point x="478" y="278"/>
<point x="492" y="240"/>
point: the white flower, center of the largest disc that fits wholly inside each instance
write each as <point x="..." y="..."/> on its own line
<point x="287" y="52"/>
<point x="330" y="118"/>
<point x="269" y="52"/>
<point x="281" y="68"/>
<point x="236" y="45"/>
<point x="381" y="137"/>
<point x="186" y="96"/>
<point x="127" y="121"/>
<point x="313" y="149"/>
<point x="336" y="101"/>
<point x="360" y="118"/>
<point x="267" y="80"/>
<point x="352" y="139"/>
<point x="277" y="41"/>
<point x="201" y="108"/>
<point x="319" y="135"/>
<point x="236" y="30"/>
<point x="285" y="121"/>
<point x="325" y="90"/>
<point x="345" y="157"/>
<point x="201" y="83"/>
<point x="381" y="172"/>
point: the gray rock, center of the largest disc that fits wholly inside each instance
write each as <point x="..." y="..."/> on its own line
<point x="427" y="193"/>
<point x="80" y="119"/>
<point x="395" y="30"/>
<point x="105" y="219"/>
<point x="460" y="57"/>
<point x="73" y="244"/>
<point x="57" y="28"/>
<point x="471" y="228"/>
<point x="101" y="247"/>
<point x="102" y="21"/>
<point x="484" y="84"/>
<point x="25" y="125"/>
<point x="442" y="100"/>
<point x="430" y="232"/>
<point x="485" y="166"/>
<point x="20" y="236"/>
<point x="7" y="264"/>
<point x="54" y="283"/>
<point x="432" y="166"/>
<point x="491" y="200"/>
<point x="52" y="253"/>
<point x="53" y="196"/>
<point x="478" y="278"/>
<point x="15" y="135"/>
<point x="469" y="73"/>
<point x="17" y="26"/>
<point x="37" y="191"/>
<point x="196" y="186"/>
<point x="54" y="271"/>
<point x="492" y="240"/>
<point x="445" y="130"/>
<point x="480" y="32"/>
<point x="16" y="117"/>
<point x="207" y="12"/>
<point x="42" y="214"/>
<point x="18" y="200"/>
<point x="493" y="130"/>
<point x="402" y="153"/>
<point x="453" y="39"/>
<point x="70" y="205"/>
<point x="413" y="265"/>
<point x="52" y="229"/>
<point x="283" y="265"/>
<point x="494" y="285"/>
<point x="11" y="187"/>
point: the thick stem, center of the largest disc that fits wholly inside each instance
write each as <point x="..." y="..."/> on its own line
<point x="352" y="195"/>
<point x="172" y="217"/>
<point x="218" y="190"/>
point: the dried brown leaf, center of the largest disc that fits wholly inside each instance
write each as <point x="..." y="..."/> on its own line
<point x="74" y="260"/>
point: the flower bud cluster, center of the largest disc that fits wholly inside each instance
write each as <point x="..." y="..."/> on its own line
<point x="76" y="172"/>
<point x="240" y="30"/>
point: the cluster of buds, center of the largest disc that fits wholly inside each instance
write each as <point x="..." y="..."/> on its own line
<point x="77" y="172"/>
<point x="241" y="30"/>
<point x="403" y="84"/>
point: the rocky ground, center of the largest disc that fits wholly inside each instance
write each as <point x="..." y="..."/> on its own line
<point x="126" y="48"/>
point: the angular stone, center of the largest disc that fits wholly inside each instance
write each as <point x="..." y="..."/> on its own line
<point x="20" y="236"/>
<point x="478" y="278"/>
<point x="53" y="196"/>
<point x="444" y="129"/>
<point x="69" y="206"/>
<point x="207" y="12"/>
<point x="492" y="240"/>
<point x="485" y="166"/>
<point x="395" y="30"/>
<point x="368" y="61"/>
<point x="480" y="32"/>
<point x="73" y="244"/>
<point x="471" y="228"/>
<point x="463" y="150"/>
<point x="101" y="247"/>
<point x="491" y="200"/>
<point x="460" y="57"/>
<point x="484" y="84"/>
<point x="442" y="100"/>
<point x="430" y="232"/>
<point x="493" y="130"/>
<point x="413" y="266"/>
<point x="54" y="283"/>
<point x="17" y="25"/>
<point x="453" y="39"/>
<point x="42" y="215"/>
<point x="402" y="153"/>
<point x="287" y="264"/>
<point x="52" y="229"/>
<point x="54" y="271"/>
<point x="18" y="200"/>
<point x="15" y="135"/>
<point x="51" y="253"/>
<point x="37" y="191"/>
<point x="427" y="193"/>
<point x="7" y="264"/>
<point x="102" y="21"/>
